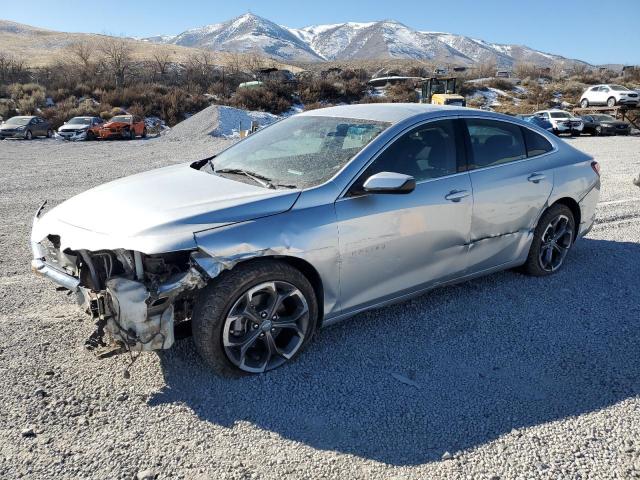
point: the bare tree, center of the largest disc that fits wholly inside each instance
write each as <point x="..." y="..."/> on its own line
<point x="162" y="59"/>
<point x="82" y="57"/>
<point x="200" y="68"/>
<point x="12" y="69"/>
<point x="118" y="58"/>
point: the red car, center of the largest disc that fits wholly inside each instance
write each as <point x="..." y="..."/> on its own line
<point x="123" y="126"/>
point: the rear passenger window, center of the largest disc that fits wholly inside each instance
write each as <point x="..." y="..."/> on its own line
<point x="536" y="143"/>
<point x="494" y="142"/>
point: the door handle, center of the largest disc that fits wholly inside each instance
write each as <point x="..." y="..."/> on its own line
<point x="457" y="195"/>
<point x="536" y="177"/>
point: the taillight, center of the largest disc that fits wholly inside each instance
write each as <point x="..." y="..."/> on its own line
<point x="596" y="167"/>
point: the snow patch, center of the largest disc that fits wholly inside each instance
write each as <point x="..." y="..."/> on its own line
<point x="232" y="120"/>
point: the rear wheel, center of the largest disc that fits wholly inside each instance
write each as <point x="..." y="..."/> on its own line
<point x="28" y="135"/>
<point x="553" y="238"/>
<point x="49" y="133"/>
<point x="254" y="318"/>
<point x="132" y="134"/>
<point x="598" y="130"/>
<point x="584" y="103"/>
<point x="144" y="132"/>
<point x="611" y="102"/>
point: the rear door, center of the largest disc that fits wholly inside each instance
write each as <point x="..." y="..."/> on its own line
<point x="511" y="180"/>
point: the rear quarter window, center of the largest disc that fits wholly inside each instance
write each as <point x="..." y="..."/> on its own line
<point x="535" y="143"/>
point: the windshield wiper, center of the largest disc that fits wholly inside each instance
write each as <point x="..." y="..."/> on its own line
<point x="256" y="177"/>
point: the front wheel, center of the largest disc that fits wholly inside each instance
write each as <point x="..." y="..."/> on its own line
<point x="584" y="103"/>
<point x="144" y="132"/>
<point x="611" y="102"/>
<point x="254" y="318"/>
<point x="552" y="240"/>
<point x="28" y="135"/>
<point x="598" y="130"/>
<point x="49" y="133"/>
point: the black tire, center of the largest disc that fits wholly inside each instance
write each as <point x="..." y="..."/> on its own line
<point x="215" y="301"/>
<point x="584" y="103"/>
<point x="90" y="135"/>
<point x="598" y="130"/>
<point x="28" y="135"/>
<point x="533" y="265"/>
<point x="144" y="132"/>
<point x="132" y="134"/>
<point x="49" y="133"/>
<point x="611" y="102"/>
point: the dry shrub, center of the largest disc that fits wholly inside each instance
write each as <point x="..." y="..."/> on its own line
<point x="500" y="84"/>
<point x="404" y="92"/>
<point x="262" y="99"/>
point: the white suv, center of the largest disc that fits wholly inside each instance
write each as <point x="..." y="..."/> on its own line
<point x="562" y="122"/>
<point x="609" y="95"/>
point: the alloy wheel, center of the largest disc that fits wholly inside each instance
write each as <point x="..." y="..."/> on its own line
<point x="266" y="326"/>
<point x="556" y="242"/>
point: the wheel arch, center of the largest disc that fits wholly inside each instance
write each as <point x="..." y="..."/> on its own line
<point x="304" y="267"/>
<point x="575" y="210"/>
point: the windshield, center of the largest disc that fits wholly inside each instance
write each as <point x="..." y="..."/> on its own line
<point x="560" y="115"/>
<point x="79" y="120"/>
<point x="122" y="118"/>
<point x="298" y="152"/>
<point x="18" y="121"/>
<point x="619" y="88"/>
<point x="604" y="118"/>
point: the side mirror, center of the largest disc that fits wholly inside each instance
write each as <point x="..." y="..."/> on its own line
<point x="389" y="183"/>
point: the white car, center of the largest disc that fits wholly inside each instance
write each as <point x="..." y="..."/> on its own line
<point x="80" y="128"/>
<point x="609" y="95"/>
<point x="562" y="122"/>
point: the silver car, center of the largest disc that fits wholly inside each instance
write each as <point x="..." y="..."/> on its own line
<point x="310" y="221"/>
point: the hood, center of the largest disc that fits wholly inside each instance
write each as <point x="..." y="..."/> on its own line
<point x="75" y="126"/>
<point x="11" y="127"/>
<point x="115" y="124"/>
<point x="158" y="211"/>
<point x="615" y="123"/>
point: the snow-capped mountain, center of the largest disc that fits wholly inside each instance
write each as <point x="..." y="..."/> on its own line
<point x="244" y="34"/>
<point x="385" y="39"/>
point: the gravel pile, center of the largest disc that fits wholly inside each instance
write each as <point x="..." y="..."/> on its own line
<point x="507" y="376"/>
<point x="218" y="121"/>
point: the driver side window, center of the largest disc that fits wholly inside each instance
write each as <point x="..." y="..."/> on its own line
<point x="426" y="152"/>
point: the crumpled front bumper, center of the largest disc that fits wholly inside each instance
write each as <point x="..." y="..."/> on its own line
<point x="72" y="136"/>
<point x="134" y="316"/>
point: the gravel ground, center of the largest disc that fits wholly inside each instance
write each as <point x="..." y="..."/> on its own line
<point x="503" y="377"/>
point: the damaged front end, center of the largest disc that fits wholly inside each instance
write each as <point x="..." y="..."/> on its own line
<point x="135" y="299"/>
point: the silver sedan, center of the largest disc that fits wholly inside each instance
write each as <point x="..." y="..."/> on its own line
<point x="310" y="221"/>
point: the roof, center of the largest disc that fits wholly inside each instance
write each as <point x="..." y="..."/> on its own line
<point x="381" y="112"/>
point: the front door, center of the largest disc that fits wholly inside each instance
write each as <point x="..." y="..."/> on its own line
<point x="391" y="245"/>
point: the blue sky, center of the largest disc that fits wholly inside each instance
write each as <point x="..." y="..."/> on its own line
<point x="566" y="27"/>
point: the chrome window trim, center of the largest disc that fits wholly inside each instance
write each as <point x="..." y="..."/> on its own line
<point x="374" y="157"/>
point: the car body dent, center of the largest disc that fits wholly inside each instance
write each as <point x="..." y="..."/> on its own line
<point x="307" y="232"/>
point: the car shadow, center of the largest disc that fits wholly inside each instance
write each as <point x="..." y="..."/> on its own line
<point x="450" y="370"/>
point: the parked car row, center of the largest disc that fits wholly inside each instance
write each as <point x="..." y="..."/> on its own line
<point x="562" y="122"/>
<point x="78" y="128"/>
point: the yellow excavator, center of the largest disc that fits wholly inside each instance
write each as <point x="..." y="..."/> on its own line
<point x="441" y="91"/>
